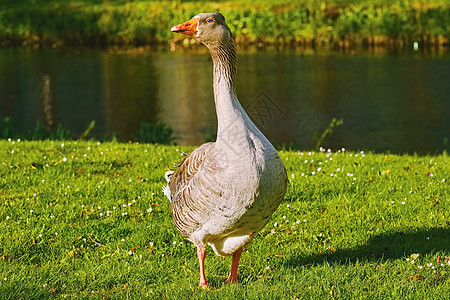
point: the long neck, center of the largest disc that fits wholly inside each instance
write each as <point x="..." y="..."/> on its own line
<point x="224" y="59"/>
<point x="232" y="119"/>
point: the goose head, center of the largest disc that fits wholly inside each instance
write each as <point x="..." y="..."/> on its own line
<point x="208" y="28"/>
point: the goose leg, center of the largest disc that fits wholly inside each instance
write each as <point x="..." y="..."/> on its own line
<point x="234" y="266"/>
<point x="201" y="252"/>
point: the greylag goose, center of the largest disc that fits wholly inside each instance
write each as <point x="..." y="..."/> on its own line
<point x="224" y="192"/>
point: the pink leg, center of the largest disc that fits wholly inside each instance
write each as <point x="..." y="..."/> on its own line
<point x="234" y="266"/>
<point x="201" y="252"/>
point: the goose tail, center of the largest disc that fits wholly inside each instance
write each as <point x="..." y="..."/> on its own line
<point x="166" y="188"/>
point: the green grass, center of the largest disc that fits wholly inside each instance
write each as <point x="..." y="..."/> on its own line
<point x="82" y="219"/>
<point x="137" y="23"/>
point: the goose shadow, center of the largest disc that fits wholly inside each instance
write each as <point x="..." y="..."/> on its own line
<point x="385" y="246"/>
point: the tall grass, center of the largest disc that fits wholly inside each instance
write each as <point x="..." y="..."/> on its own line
<point x="134" y="23"/>
<point x="148" y="133"/>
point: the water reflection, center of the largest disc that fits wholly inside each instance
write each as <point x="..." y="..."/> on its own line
<point x="47" y="103"/>
<point x="130" y="92"/>
<point x="388" y="102"/>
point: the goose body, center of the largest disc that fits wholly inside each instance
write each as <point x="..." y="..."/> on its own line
<point x="224" y="192"/>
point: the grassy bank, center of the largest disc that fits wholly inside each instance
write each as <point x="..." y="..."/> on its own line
<point x="137" y="23"/>
<point x="83" y="219"/>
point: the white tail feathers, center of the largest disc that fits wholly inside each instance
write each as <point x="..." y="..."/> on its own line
<point x="168" y="174"/>
<point x="166" y="188"/>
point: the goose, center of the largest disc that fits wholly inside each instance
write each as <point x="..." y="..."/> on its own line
<point x="224" y="192"/>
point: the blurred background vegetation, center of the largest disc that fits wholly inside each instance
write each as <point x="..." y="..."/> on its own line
<point x="128" y="23"/>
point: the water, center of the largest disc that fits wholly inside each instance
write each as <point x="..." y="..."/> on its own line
<point x="388" y="102"/>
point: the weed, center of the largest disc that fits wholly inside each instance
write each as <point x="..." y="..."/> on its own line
<point x="328" y="131"/>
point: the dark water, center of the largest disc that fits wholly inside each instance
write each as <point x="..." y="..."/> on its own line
<point x="388" y="102"/>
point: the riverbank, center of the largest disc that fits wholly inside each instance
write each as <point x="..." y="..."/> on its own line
<point x="94" y="23"/>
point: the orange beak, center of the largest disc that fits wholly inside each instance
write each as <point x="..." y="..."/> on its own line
<point x="188" y="28"/>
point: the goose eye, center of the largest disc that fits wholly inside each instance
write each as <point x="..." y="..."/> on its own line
<point x="209" y="20"/>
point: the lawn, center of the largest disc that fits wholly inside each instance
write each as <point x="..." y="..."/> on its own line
<point x="84" y="219"/>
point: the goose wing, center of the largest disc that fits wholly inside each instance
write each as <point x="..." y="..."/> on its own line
<point x="196" y="191"/>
